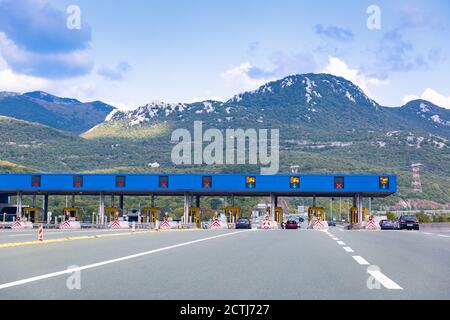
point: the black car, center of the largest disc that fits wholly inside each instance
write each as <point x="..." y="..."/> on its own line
<point x="243" y="223"/>
<point x="407" y="222"/>
<point x="386" y="225"/>
<point x="331" y="223"/>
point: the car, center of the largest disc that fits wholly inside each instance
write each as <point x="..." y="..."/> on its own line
<point x="407" y="222"/>
<point x="291" y="224"/>
<point x="243" y="223"/>
<point x="331" y="223"/>
<point x="386" y="225"/>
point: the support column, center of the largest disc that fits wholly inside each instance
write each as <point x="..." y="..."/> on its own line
<point x="273" y="205"/>
<point x="331" y="209"/>
<point x="19" y="204"/>
<point x="360" y="208"/>
<point x="45" y="207"/>
<point x="186" y="209"/>
<point x="197" y="201"/>
<point x="73" y="201"/>
<point x="122" y="204"/>
<point x="101" y="210"/>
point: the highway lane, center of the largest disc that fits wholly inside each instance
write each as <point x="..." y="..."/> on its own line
<point x="421" y="262"/>
<point x="284" y="264"/>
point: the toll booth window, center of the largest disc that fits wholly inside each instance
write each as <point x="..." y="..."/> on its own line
<point x="36" y="181"/>
<point x="295" y="182"/>
<point x="120" y="182"/>
<point x="207" y="182"/>
<point x="339" y="183"/>
<point x="384" y="183"/>
<point x="250" y="182"/>
<point x="78" y="181"/>
<point x="164" y="182"/>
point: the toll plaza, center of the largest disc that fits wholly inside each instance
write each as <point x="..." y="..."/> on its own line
<point x="192" y="187"/>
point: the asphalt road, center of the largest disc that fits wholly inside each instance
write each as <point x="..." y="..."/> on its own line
<point x="255" y="264"/>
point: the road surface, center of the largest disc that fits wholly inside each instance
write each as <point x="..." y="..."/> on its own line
<point x="229" y="264"/>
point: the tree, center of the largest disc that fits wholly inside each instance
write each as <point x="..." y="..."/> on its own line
<point x="391" y="216"/>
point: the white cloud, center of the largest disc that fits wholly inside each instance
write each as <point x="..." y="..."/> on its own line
<point x="432" y="96"/>
<point x="10" y="81"/>
<point x="339" y="68"/>
<point x="239" y="79"/>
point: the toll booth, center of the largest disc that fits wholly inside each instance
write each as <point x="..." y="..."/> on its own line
<point x="365" y="213"/>
<point x="150" y="214"/>
<point x="112" y="214"/>
<point x="232" y="214"/>
<point x="354" y="215"/>
<point x="72" y="214"/>
<point x="317" y="212"/>
<point x="194" y="216"/>
<point x="33" y="215"/>
<point x="278" y="215"/>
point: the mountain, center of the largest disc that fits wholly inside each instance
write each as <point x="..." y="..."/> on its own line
<point x="327" y="125"/>
<point x="66" y="114"/>
<point x="426" y="115"/>
<point x="313" y="106"/>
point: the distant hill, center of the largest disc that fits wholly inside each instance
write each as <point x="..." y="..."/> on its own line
<point x="65" y="114"/>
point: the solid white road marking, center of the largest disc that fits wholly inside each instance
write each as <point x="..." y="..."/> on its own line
<point x="385" y="281"/>
<point x="342" y="243"/>
<point x="361" y="260"/>
<point x="348" y="249"/>
<point x="426" y="233"/>
<point x="443" y="236"/>
<point x="99" y="264"/>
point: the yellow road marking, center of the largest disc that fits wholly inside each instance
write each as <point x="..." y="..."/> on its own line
<point x="97" y="236"/>
<point x="58" y="240"/>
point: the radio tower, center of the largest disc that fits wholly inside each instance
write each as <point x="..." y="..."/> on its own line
<point x="416" y="185"/>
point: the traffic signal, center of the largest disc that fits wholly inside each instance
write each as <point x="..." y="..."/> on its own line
<point x="294" y="182"/>
<point x="164" y="182"/>
<point x="207" y="182"/>
<point x="78" y="181"/>
<point x="250" y="182"/>
<point x="36" y="181"/>
<point x="384" y="183"/>
<point x="120" y="182"/>
<point x="339" y="183"/>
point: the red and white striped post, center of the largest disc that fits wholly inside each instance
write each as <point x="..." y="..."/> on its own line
<point x="41" y="233"/>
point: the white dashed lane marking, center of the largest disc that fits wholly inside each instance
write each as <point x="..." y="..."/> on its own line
<point x="361" y="260"/>
<point x="384" y="280"/>
<point x="342" y="243"/>
<point x="348" y="249"/>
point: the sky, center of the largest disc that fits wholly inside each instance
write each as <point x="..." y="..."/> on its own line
<point x="129" y="53"/>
